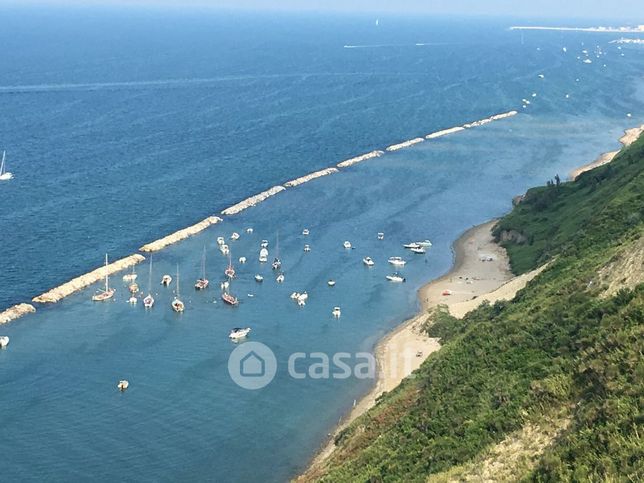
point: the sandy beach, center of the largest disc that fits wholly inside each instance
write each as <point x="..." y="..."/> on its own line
<point x="630" y="136"/>
<point x="480" y="272"/>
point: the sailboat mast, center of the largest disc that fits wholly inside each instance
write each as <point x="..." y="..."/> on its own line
<point x="4" y="153"/>
<point x="178" y="280"/>
<point x="203" y="264"/>
<point x="150" y="277"/>
<point x="107" y="277"/>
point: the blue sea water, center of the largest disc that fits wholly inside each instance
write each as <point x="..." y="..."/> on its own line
<point x="122" y="127"/>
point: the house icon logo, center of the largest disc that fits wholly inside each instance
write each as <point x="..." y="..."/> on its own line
<point x="252" y="365"/>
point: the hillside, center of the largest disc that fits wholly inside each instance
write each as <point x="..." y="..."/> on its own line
<point x="548" y="386"/>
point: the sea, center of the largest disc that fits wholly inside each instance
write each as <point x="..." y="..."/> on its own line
<point x="123" y="125"/>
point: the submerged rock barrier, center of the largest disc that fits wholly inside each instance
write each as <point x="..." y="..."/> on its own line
<point x="252" y="201"/>
<point x="359" y="159"/>
<point x="79" y="283"/>
<point x="180" y="235"/>
<point x="309" y="177"/>
<point x="16" y="312"/>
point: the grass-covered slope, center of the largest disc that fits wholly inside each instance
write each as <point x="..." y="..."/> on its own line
<point x="561" y="363"/>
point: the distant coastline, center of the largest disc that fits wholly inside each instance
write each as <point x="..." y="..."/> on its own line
<point x="623" y="30"/>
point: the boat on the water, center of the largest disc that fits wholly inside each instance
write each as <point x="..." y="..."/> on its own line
<point x="107" y="292"/>
<point x="133" y="300"/>
<point x="424" y="243"/>
<point x="249" y="230"/>
<point x="307" y="248"/>
<point x="411" y="245"/>
<point x="224" y="249"/>
<point x="229" y="298"/>
<point x="166" y="280"/>
<point x="263" y="255"/>
<point x="123" y="385"/>
<point x="239" y="333"/>
<point x="395" y="278"/>
<point x="381" y="236"/>
<point x="347" y="245"/>
<point x="398" y="261"/>
<point x="305" y="232"/>
<point x="280" y="278"/>
<point x="368" y="261"/>
<point x="4" y="174"/>
<point x="264" y="244"/>
<point x="221" y="240"/>
<point x="133" y="287"/>
<point x="337" y="312"/>
<point x="130" y="277"/>
<point x="242" y="260"/>
<point x="234" y="236"/>
<point x="148" y="301"/>
<point x="177" y="304"/>
<point x="420" y="250"/>
<point x="331" y="283"/>
<point x="277" y="263"/>
<point x="202" y="282"/>
<point x="259" y="278"/>
<point x="4" y="341"/>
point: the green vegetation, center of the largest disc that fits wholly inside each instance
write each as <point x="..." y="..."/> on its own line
<point x="563" y="350"/>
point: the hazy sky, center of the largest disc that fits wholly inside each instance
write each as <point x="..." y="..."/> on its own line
<point x="630" y="9"/>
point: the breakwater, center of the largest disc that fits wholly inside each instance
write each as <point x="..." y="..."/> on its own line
<point x="252" y="201"/>
<point x="180" y="235"/>
<point x="309" y="177"/>
<point x="444" y="132"/>
<point x="358" y="159"/>
<point x="79" y="283"/>
<point x="16" y="312"/>
<point x="404" y="144"/>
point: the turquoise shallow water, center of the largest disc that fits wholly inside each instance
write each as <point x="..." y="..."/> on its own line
<point x="154" y="123"/>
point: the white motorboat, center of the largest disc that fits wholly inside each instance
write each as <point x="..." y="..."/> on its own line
<point x="242" y="260"/>
<point x="166" y="280"/>
<point x="130" y="277"/>
<point x="202" y="282"/>
<point x="347" y="245"/>
<point x="234" y="236"/>
<point x="336" y="312"/>
<point x="263" y="255"/>
<point x="398" y="261"/>
<point x="4" y="341"/>
<point x="106" y="293"/>
<point x="331" y="283"/>
<point x="123" y="385"/>
<point x="305" y="232"/>
<point x="239" y="333"/>
<point x="4" y="175"/>
<point x="264" y="244"/>
<point x="221" y="240"/>
<point x="224" y="249"/>
<point x="307" y="248"/>
<point x="133" y="300"/>
<point x="368" y="261"/>
<point x="295" y="295"/>
<point x="148" y="301"/>
<point x="381" y="236"/>
<point x="224" y="285"/>
<point x="411" y="245"/>
<point x="419" y="250"/>
<point x="395" y="278"/>
<point x="424" y="243"/>
<point x="230" y="270"/>
<point x="249" y="230"/>
<point x="280" y="278"/>
<point x="259" y="278"/>
<point x="177" y="304"/>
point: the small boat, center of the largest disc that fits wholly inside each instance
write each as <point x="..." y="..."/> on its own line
<point x="242" y="260"/>
<point x="259" y="278"/>
<point x="305" y="232"/>
<point x="249" y="230"/>
<point x="263" y="255"/>
<point x="234" y="236"/>
<point x="220" y="240"/>
<point x="133" y="300"/>
<point x="424" y="243"/>
<point x="264" y="244"/>
<point x="229" y="298"/>
<point x="224" y="285"/>
<point x="166" y="280"/>
<point x="239" y="333"/>
<point x="331" y="283"/>
<point x="4" y="175"/>
<point x="280" y="278"/>
<point x="133" y="288"/>
<point x="336" y="312"/>
<point x="397" y="261"/>
<point x="381" y="236"/>
<point x="277" y="263"/>
<point x="123" y="385"/>
<point x="107" y="293"/>
<point x="419" y="250"/>
<point x="230" y="270"/>
<point x="295" y="295"/>
<point x="307" y="248"/>
<point x="368" y="261"/>
<point x="148" y="301"/>
<point x="130" y="277"/>
<point x="541" y="76"/>
<point x="347" y="245"/>
<point x="177" y="305"/>
<point x="395" y="278"/>
<point x="202" y="282"/>
<point x="411" y="245"/>
<point x="4" y="341"/>
<point x="224" y="249"/>
<point x="588" y="61"/>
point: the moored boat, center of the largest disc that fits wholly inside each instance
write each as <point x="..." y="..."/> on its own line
<point x="166" y="280"/>
<point x="229" y="298"/>
<point x="177" y="304"/>
<point x="259" y="278"/>
<point x="347" y="245"/>
<point x="419" y="250"/>
<point x="263" y="255"/>
<point x="202" y="282"/>
<point x="337" y="312"/>
<point x="4" y="341"/>
<point x="123" y="385"/>
<point x="4" y="174"/>
<point x="368" y="261"/>
<point x="305" y="232"/>
<point x="398" y="261"/>
<point x="307" y="248"/>
<point x="331" y="283"/>
<point x="106" y="293"/>
<point x="280" y="278"/>
<point x="381" y="236"/>
<point x="234" y="236"/>
<point x="148" y="301"/>
<point x="395" y="278"/>
<point x="239" y="333"/>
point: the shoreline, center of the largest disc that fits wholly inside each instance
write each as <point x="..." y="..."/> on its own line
<point x="480" y="267"/>
<point x="628" y="138"/>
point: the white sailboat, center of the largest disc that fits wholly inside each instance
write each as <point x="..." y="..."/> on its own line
<point x="148" y="301"/>
<point x="4" y="175"/>
<point x="202" y="283"/>
<point x="107" y="293"/>
<point x="177" y="304"/>
<point x="277" y="263"/>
